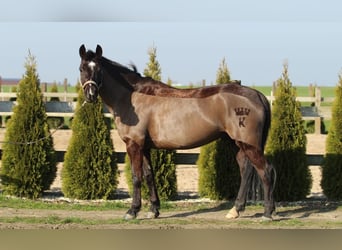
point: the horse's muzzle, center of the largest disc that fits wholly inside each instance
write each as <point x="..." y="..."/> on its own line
<point x="90" y="90"/>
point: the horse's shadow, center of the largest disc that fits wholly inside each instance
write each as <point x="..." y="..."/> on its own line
<point x="306" y="209"/>
<point x="219" y="207"/>
<point x="286" y="211"/>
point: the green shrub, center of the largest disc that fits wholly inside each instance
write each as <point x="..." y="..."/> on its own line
<point x="164" y="169"/>
<point x="219" y="174"/>
<point x="332" y="168"/>
<point x="128" y="175"/>
<point x="90" y="168"/>
<point x="28" y="160"/>
<point x="286" y="145"/>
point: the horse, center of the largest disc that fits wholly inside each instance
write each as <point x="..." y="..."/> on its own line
<point x="147" y="120"/>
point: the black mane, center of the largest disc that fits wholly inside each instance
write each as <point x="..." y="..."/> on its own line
<point x="90" y="55"/>
<point x="134" y="68"/>
<point x="117" y="66"/>
<point x="129" y="74"/>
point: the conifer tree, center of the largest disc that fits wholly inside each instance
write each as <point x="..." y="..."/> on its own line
<point x="153" y="69"/>
<point x="90" y="168"/>
<point x="219" y="176"/>
<point x="162" y="161"/>
<point x="332" y="168"/>
<point x="28" y="160"/>
<point x="286" y="145"/>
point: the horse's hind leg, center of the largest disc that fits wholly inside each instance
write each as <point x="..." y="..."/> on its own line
<point x="264" y="170"/>
<point x="246" y="170"/>
<point x="149" y="177"/>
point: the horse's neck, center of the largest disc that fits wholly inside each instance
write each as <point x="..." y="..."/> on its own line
<point x="114" y="93"/>
<point x="132" y="78"/>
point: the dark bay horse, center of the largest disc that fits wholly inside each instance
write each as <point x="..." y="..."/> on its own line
<point x="152" y="119"/>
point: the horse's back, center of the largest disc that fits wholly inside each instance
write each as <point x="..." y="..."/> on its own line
<point x="189" y="122"/>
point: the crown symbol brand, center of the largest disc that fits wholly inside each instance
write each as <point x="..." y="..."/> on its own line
<point x="242" y="111"/>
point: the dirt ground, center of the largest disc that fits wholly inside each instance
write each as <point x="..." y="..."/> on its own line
<point x="315" y="212"/>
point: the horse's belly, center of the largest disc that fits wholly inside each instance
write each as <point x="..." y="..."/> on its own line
<point x="184" y="138"/>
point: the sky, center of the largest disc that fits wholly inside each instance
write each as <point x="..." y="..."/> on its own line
<point x="192" y="37"/>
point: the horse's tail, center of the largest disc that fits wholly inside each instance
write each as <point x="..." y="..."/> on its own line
<point x="267" y="125"/>
<point x="267" y="119"/>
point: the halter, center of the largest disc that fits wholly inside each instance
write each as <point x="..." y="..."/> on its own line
<point x="90" y="82"/>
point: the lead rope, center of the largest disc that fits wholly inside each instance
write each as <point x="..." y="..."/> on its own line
<point x="40" y="139"/>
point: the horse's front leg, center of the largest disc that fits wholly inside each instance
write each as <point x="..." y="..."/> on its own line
<point x="149" y="177"/>
<point x="135" y="154"/>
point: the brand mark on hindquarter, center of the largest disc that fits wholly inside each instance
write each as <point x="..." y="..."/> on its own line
<point x="242" y="113"/>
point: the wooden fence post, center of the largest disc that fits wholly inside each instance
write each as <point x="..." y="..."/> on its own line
<point x="1" y="87"/>
<point x="65" y="83"/>
<point x="44" y="89"/>
<point x="318" y="99"/>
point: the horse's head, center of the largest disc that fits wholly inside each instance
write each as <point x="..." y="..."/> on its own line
<point x="90" y="72"/>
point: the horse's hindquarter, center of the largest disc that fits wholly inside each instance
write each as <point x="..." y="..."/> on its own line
<point x="245" y="119"/>
<point x="192" y="122"/>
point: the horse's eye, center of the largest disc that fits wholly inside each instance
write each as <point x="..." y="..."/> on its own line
<point x="80" y="69"/>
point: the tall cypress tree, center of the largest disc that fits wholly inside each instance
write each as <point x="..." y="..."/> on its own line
<point x="90" y="168"/>
<point x="153" y="69"/>
<point x="332" y="168"/>
<point x="219" y="176"/>
<point x="28" y="160"/>
<point x="162" y="161"/>
<point x="286" y="145"/>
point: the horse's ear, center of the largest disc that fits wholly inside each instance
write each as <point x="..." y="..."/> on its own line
<point x="98" y="51"/>
<point x="82" y="51"/>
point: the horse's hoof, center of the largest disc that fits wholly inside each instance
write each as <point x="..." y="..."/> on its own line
<point x="129" y="217"/>
<point x="266" y="218"/>
<point x="152" y="215"/>
<point x="232" y="214"/>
